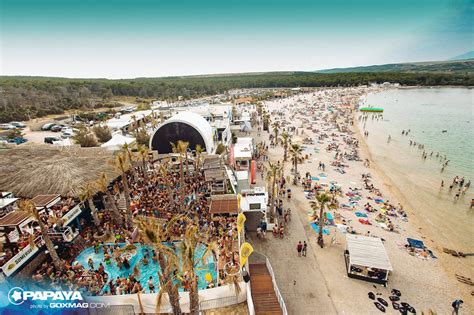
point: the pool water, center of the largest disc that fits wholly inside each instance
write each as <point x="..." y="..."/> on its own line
<point x="136" y="256"/>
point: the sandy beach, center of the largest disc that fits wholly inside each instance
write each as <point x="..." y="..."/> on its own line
<point x="426" y="283"/>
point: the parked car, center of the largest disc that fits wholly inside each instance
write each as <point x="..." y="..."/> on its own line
<point x="67" y="133"/>
<point x="7" y="126"/>
<point x="47" y="126"/>
<point x="56" y="128"/>
<point x="18" y="124"/>
<point x="50" y="140"/>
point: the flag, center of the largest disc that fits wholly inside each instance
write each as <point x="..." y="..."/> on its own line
<point x="240" y="222"/>
<point x="245" y="251"/>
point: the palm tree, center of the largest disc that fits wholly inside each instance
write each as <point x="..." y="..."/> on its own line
<point x="183" y="149"/>
<point x="30" y="208"/>
<point x="266" y="121"/>
<point x="134" y="126"/>
<point x="128" y="148"/>
<point x="285" y="140"/>
<point x="192" y="241"/>
<point x="122" y="165"/>
<point x="296" y="152"/>
<point x="175" y="149"/>
<point x="188" y="245"/>
<point x="87" y="194"/>
<point x="320" y="202"/>
<point x="153" y="232"/>
<point x="164" y="168"/>
<point x="143" y="150"/>
<point x="276" y="129"/>
<point x="103" y="186"/>
<point x="199" y="151"/>
<point x="259" y="108"/>
<point x="272" y="174"/>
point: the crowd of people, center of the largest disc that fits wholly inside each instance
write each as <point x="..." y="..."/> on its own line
<point x="152" y="194"/>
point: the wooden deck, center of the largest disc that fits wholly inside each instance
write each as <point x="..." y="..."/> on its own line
<point x="263" y="294"/>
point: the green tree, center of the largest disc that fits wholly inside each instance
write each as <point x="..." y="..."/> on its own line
<point x="122" y="165"/>
<point x="29" y="207"/>
<point x="296" y="154"/>
<point x="220" y="148"/>
<point x="15" y="133"/>
<point x="155" y="234"/>
<point x="144" y="151"/>
<point x="103" y="186"/>
<point x="276" y="130"/>
<point x="272" y="175"/>
<point x="199" y="150"/>
<point x="285" y="140"/>
<point x="320" y="202"/>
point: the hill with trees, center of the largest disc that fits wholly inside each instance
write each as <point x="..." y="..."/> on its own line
<point x="23" y="98"/>
<point x="457" y="66"/>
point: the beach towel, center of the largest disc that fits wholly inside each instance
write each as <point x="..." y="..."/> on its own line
<point x="361" y="215"/>
<point x="314" y="178"/>
<point x="322" y="175"/>
<point x="378" y="200"/>
<point x="330" y="218"/>
<point x="415" y="243"/>
<point x="365" y="221"/>
<point x="316" y="228"/>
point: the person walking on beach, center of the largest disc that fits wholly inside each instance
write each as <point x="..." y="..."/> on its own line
<point x="305" y="247"/>
<point x="442" y="184"/>
<point x="299" y="248"/>
<point x="456" y="306"/>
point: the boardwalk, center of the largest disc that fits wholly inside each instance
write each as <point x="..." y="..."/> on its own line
<point x="299" y="279"/>
<point x="263" y="293"/>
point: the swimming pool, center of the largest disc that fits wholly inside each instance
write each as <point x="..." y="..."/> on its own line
<point x="136" y="256"/>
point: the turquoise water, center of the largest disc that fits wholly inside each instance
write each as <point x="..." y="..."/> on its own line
<point x="208" y="266"/>
<point x="427" y="112"/>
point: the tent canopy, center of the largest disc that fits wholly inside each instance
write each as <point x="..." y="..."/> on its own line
<point x="368" y="252"/>
<point x="117" y="142"/>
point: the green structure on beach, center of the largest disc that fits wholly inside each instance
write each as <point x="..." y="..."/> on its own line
<point x="371" y="109"/>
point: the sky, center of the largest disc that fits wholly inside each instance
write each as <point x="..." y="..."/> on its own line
<point x="154" y="38"/>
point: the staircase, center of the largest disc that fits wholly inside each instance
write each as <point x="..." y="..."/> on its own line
<point x="263" y="294"/>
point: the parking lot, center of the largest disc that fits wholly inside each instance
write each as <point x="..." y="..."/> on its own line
<point x="38" y="136"/>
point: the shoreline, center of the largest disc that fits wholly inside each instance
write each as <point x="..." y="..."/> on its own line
<point x="426" y="283"/>
<point x="449" y="263"/>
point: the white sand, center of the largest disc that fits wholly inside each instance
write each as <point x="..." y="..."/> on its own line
<point x="425" y="284"/>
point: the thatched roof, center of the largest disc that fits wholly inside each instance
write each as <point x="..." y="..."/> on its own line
<point x="30" y="170"/>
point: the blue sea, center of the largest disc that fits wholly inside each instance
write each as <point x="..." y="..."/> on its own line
<point x="442" y="120"/>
